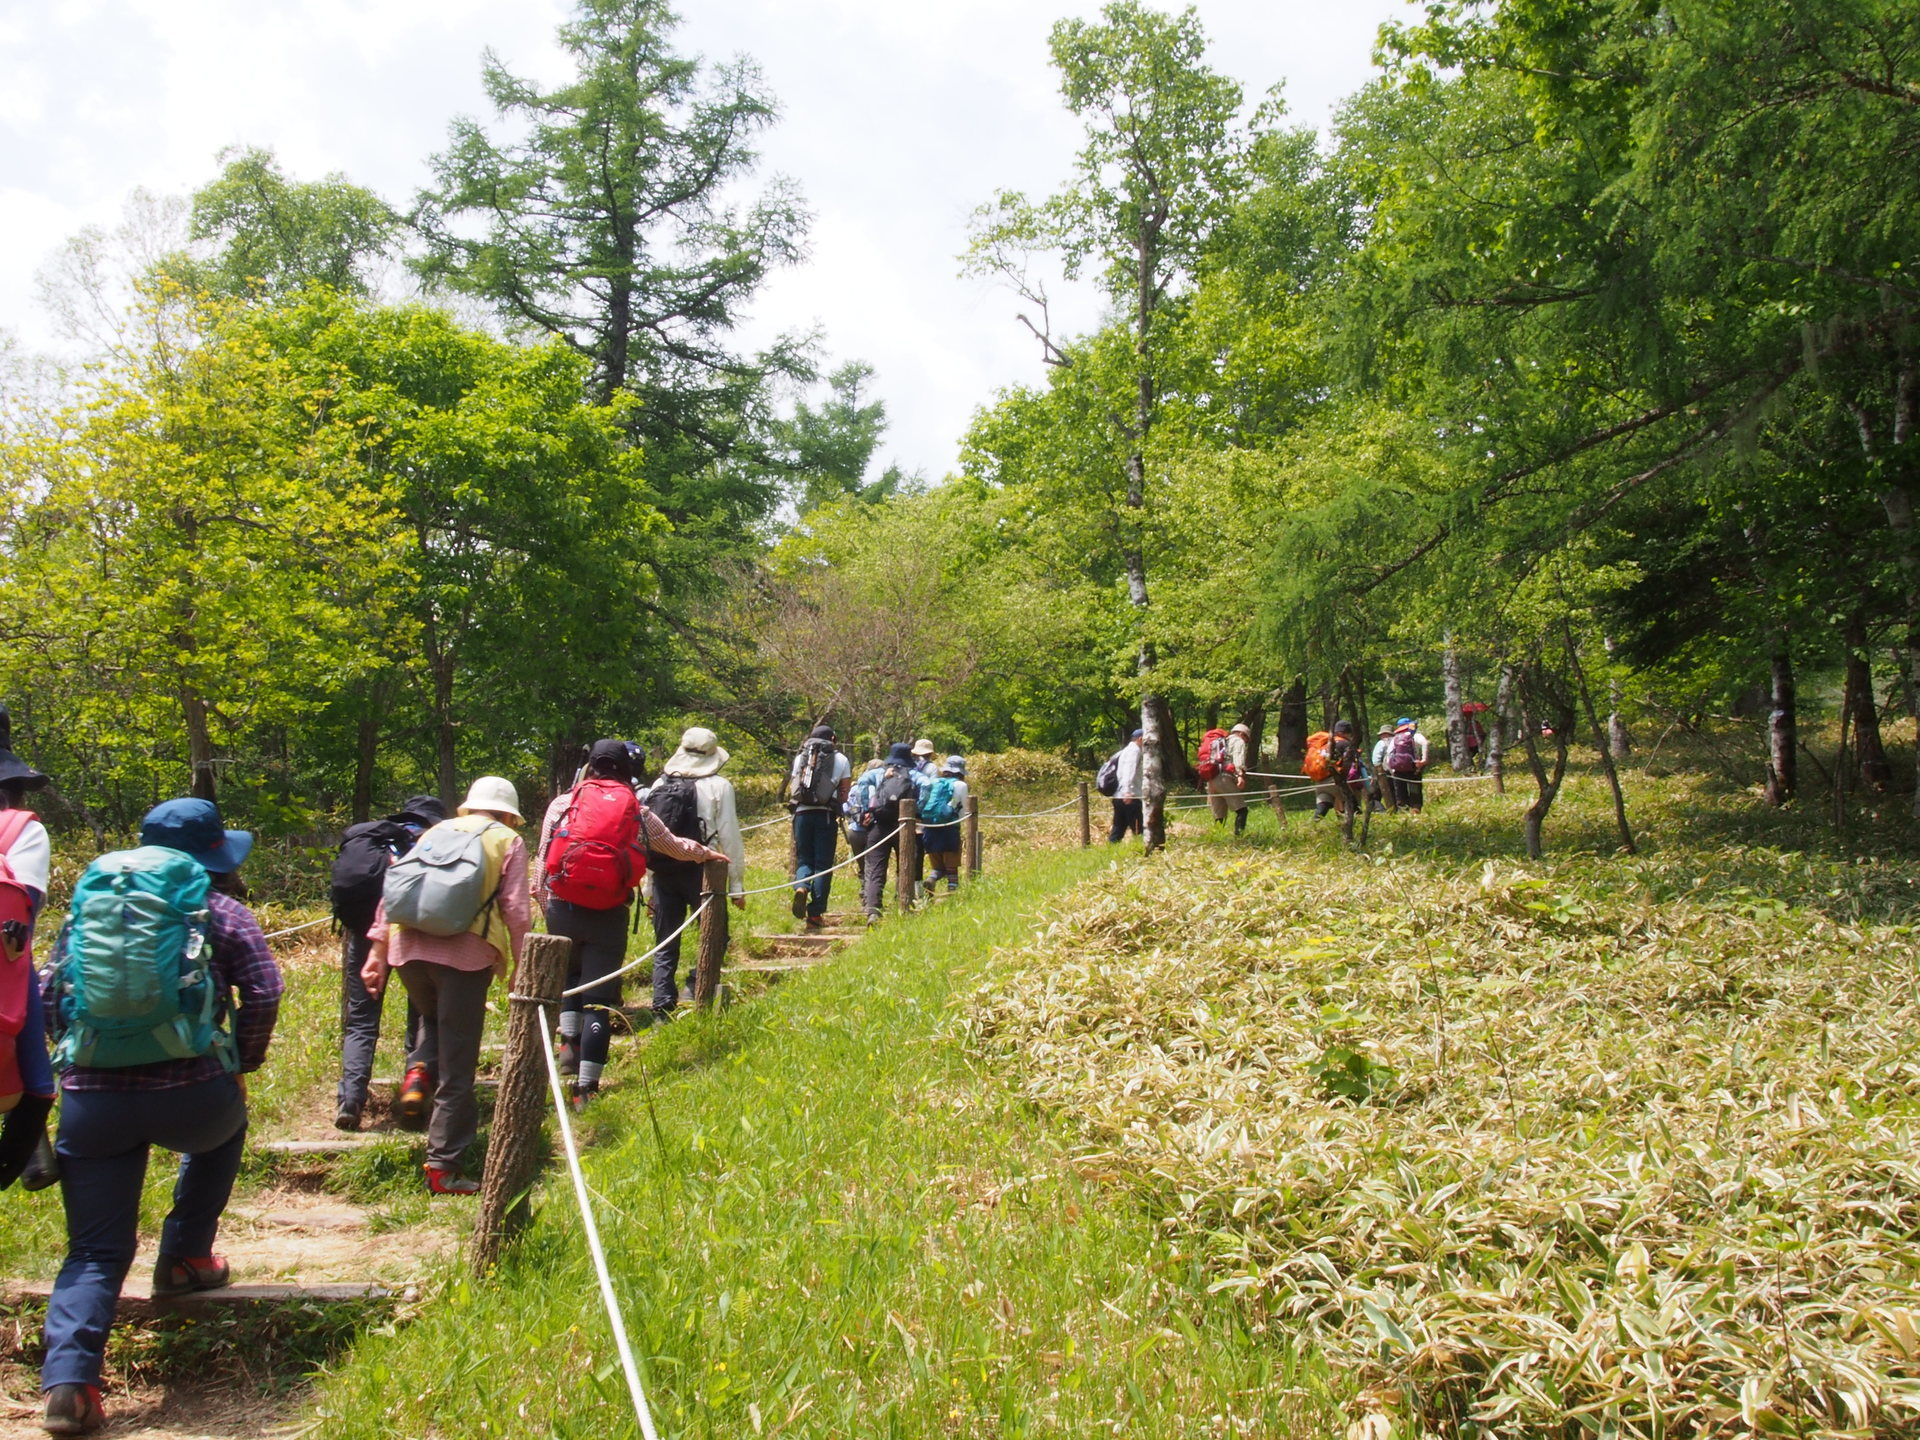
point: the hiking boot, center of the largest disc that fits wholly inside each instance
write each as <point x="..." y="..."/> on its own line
<point x="347" y="1117"/>
<point x="74" y="1410"/>
<point x="416" y="1098"/>
<point x="801" y="895"/>
<point x="873" y="917"/>
<point x="183" y="1274"/>
<point x="662" y="1014"/>
<point x="582" y="1096"/>
<point x="568" y="1058"/>
<point x="441" y="1180"/>
<point x="814" y="922"/>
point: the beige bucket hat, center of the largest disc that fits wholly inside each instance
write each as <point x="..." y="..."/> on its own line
<point x="491" y="792"/>
<point x="923" y="746"/>
<point x="700" y="753"/>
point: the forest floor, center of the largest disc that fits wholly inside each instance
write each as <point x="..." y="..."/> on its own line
<point x="1168" y="1148"/>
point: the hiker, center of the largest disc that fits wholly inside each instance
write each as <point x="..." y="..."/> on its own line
<point x="941" y="807"/>
<point x="26" y="1077"/>
<point x="925" y="772"/>
<point x="923" y="753"/>
<point x="1223" y="770"/>
<point x="455" y="913"/>
<point x="1330" y="764"/>
<point x="139" y="920"/>
<point x="695" y="802"/>
<point x="881" y="820"/>
<point x="854" y="807"/>
<point x="1473" y="734"/>
<point x="593" y="851"/>
<point x="1126" y="765"/>
<point x="359" y="875"/>
<point x="1406" y="763"/>
<point x="817" y="787"/>
<point x="1377" y="771"/>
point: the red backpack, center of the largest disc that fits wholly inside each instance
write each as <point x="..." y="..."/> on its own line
<point x="594" y="859"/>
<point x="16" y="966"/>
<point x="1212" y="757"/>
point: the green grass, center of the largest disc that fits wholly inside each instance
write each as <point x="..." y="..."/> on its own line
<point x="840" y="1228"/>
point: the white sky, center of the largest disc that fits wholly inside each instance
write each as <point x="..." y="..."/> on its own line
<point x="899" y="118"/>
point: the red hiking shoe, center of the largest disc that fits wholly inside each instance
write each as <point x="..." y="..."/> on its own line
<point x="416" y="1098"/>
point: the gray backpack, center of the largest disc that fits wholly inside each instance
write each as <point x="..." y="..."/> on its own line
<point x="440" y="886"/>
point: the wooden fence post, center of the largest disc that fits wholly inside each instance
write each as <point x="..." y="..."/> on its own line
<point x="513" y="1147"/>
<point x="908" y="853"/>
<point x="1086" y="818"/>
<point x="1279" y="805"/>
<point x="713" y="933"/>
<point x="972" y="840"/>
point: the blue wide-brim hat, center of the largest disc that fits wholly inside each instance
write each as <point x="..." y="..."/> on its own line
<point x="194" y="828"/>
<point x="12" y="767"/>
<point x="901" y="753"/>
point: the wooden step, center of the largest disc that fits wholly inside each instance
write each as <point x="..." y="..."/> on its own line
<point x="137" y="1301"/>
<point x="345" y="1145"/>
<point x="778" y="966"/>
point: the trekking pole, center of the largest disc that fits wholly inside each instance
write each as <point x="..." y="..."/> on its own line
<point x="1086" y="819"/>
<point x="973" y="838"/>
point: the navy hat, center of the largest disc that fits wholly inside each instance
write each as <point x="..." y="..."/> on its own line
<point x="1345" y="727"/>
<point x="426" y="811"/>
<point x="194" y="826"/>
<point x="823" y="732"/>
<point x="900" y="754"/>
<point x="1137" y="735"/>
<point x="13" y="769"/>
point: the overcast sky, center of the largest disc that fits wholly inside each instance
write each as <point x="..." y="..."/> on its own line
<point x="898" y="119"/>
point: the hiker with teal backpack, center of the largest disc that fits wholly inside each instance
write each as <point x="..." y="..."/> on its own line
<point x="454" y="913"/>
<point x="854" y="809"/>
<point x="942" y="804"/>
<point x="817" y="786"/>
<point x="163" y="995"/>
<point x="26" y="1078"/>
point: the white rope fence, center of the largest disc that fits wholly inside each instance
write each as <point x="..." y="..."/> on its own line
<point x="296" y="929"/>
<point x="598" y="1251"/>
<point x="800" y="884"/>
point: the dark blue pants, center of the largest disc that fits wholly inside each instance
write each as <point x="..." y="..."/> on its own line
<point x="671" y="906"/>
<point x="599" y="948"/>
<point x="360" y="1023"/>
<point x="102" y="1145"/>
<point x="816" y="836"/>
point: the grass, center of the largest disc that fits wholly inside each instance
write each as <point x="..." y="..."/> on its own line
<point x="839" y="1229"/>
<point x="1606" y="1145"/>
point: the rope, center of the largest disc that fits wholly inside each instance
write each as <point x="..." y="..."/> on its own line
<point x="599" y="1253"/>
<point x="1032" y="814"/>
<point x="296" y="929"/>
<point x="802" y="884"/>
<point x="763" y="824"/>
<point x="582" y="989"/>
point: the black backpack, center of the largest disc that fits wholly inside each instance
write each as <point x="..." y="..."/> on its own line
<point x="884" y="808"/>
<point x="813" y="782"/>
<point x="676" y="804"/>
<point x="360" y="870"/>
<point x="1107" y="781"/>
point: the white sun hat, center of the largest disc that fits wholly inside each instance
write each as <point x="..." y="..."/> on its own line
<point x="491" y="792"/>
<point x="700" y="753"/>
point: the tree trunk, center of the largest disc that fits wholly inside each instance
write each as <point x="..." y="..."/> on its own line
<point x="1892" y="466"/>
<point x="1619" y="741"/>
<point x="1456" y="722"/>
<point x="1290" y="737"/>
<point x="1783" y="727"/>
<point x="1546" y="784"/>
<point x="1876" y="774"/>
<point x="1600" y="741"/>
<point x="1329" y="706"/>
<point x="1499" y="729"/>
<point x="366" y="751"/>
<point x="205" y="780"/>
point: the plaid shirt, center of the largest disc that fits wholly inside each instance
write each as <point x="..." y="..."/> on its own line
<point x="241" y="963"/>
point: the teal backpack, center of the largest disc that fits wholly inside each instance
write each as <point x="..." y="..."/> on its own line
<point x="134" y="985"/>
<point x="940" y="807"/>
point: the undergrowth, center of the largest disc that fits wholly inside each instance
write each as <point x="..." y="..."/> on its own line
<point x="1602" y="1146"/>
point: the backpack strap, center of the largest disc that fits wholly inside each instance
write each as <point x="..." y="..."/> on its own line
<point x="13" y="824"/>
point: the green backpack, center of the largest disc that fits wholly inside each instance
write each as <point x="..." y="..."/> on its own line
<point x="941" y="806"/>
<point x="134" y="985"/>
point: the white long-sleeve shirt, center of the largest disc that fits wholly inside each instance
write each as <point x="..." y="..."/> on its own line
<point x="1132" y="759"/>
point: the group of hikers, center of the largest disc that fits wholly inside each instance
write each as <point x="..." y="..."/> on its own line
<point x="161" y="993"/>
<point x="1342" y="774"/>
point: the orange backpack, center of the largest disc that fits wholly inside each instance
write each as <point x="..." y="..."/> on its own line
<point x="1319" y="765"/>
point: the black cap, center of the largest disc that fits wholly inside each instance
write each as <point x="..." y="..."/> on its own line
<point x="823" y="732"/>
<point x="610" y="757"/>
<point x="1345" y="727"/>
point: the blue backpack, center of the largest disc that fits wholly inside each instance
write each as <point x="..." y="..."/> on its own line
<point x="133" y="976"/>
<point x="940" y="806"/>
